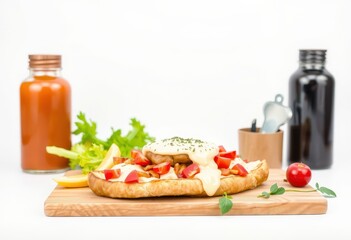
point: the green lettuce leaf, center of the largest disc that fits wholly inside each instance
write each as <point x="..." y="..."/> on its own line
<point x="88" y="153"/>
<point x="82" y="156"/>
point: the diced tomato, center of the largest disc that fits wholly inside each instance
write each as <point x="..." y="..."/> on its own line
<point x="132" y="177"/>
<point x="225" y="171"/>
<point x="180" y="175"/>
<point x="222" y="162"/>
<point x="191" y="170"/>
<point x="134" y="152"/>
<point x="139" y="158"/>
<point x="231" y="154"/>
<point x="118" y="160"/>
<point x="221" y="148"/>
<point x="162" y="168"/>
<point x="241" y="170"/>
<point x="112" y="173"/>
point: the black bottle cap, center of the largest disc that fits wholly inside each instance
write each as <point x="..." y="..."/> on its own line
<point x="313" y="55"/>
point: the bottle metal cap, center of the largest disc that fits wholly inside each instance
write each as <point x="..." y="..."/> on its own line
<point x="44" y="61"/>
<point x="313" y="55"/>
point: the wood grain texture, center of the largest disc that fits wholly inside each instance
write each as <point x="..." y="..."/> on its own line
<point x="83" y="202"/>
<point x="256" y="145"/>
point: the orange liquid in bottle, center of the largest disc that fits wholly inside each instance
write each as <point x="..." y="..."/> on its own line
<point x="45" y="121"/>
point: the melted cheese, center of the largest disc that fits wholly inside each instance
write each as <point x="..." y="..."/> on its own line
<point x="170" y="175"/>
<point x="210" y="178"/>
<point x="250" y="166"/>
<point x="199" y="152"/>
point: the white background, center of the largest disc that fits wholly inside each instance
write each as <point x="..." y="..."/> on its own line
<point x="188" y="68"/>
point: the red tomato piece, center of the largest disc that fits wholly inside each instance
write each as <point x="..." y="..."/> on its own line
<point x="231" y="154"/>
<point x="298" y="174"/>
<point x="221" y="148"/>
<point x="162" y="168"/>
<point x="132" y="177"/>
<point x="135" y="152"/>
<point x="112" y="173"/>
<point x="191" y="170"/>
<point x="241" y="170"/>
<point x="180" y="175"/>
<point x="139" y="158"/>
<point x="222" y="162"/>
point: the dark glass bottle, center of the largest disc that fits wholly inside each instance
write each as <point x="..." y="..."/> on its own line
<point x="311" y="98"/>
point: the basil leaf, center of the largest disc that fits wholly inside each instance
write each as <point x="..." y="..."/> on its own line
<point x="274" y="188"/>
<point x="279" y="191"/>
<point x="317" y="186"/>
<point x="225" y="204"/>
<point x="264" y="195"/>
<point x="326" y="191"/>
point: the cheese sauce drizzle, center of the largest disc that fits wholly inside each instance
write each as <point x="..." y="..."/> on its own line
<point x="199" y="152"/>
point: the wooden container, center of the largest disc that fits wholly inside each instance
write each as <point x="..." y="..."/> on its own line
<point x="258" y="146"/>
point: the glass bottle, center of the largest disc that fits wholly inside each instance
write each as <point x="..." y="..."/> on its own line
<point x="45" y="109"/>
<point x="311" y="98"/>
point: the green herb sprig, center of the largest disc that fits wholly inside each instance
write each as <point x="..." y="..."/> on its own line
<point x="326" y="192"/>
<point x="225" y="203"/>
<point x="275" y="190"/>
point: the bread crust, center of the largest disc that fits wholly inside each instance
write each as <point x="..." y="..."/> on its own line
<point x="177" y="187"/>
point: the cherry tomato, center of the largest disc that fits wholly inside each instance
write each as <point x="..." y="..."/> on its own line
<point x="222" y="162"/>
<point x="162" y="168"/>
<point x="139" y="158"/>
<point x="132" y="177"/>
<point x="112" y="173"/>
<point x="241" y="170"/>
<point x="191" y="170"/>
<point x="298" y="174"/>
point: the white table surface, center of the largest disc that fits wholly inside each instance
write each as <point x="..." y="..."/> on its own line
<point x="22" y="215"/>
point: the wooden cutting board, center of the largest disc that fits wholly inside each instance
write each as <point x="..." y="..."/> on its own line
<point x="83" y="202"/>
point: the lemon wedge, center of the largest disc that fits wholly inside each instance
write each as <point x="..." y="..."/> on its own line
<point x="112" y="152"/>
<point x="81" y="180"/>
<point x="73" y="181"/>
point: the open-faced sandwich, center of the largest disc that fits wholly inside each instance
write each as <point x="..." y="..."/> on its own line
<point x="178" y="167"/>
